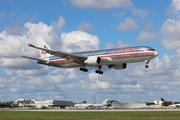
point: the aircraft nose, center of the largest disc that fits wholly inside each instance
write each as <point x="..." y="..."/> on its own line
<point x="156" y="53"/>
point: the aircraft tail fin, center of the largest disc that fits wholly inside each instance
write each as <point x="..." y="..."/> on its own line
<point x="163" y="101"/>
<point x="105" y="101"/>
<point x="42" y="44"/>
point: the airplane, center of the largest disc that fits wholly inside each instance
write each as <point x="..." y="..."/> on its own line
<point x="169" y="104"/>
<point x="83" y="105"/>
<point x="104" y="103"/>
<point x="113" y="58"/>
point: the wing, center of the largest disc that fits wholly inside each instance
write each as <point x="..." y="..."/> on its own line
<point x="58" y="53"/>
<point x="63" y="54"/>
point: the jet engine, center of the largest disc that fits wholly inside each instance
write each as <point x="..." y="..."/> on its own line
<point x="93" y="60"/>
<point x="118" y="66"/>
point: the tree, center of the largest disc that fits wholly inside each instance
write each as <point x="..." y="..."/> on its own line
<point x="84" y="102"/>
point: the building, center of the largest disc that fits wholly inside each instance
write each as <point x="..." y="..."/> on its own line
<point x="46" y="104"/>
<point x="52" y="104"/>
<point x="158" y="102"/>
<point x="137" y="105"/>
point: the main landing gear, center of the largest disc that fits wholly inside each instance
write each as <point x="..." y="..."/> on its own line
<point x="147" y="62"/>
<point x="83" y="69"/>
<point x="97" y="71"/>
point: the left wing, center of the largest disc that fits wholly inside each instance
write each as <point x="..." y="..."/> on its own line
<point x="58" y="53"/>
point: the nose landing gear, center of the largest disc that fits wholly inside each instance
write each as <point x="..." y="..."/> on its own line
<point x="147" y="62"/>
<point x="146" y="66"/>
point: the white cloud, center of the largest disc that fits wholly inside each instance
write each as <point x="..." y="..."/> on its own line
<point x="176" y="5"/>
<point x="59" y="24"/>
<point x="119" y="44"/>
<point x="79" y="41"/>
<point x="119" y="15"/>
<point x="171" y="44"/>
<point x="101" y="4"/>
<point x="8" y="72"/>
<point x="17" y="63"/>
<point x="106" y="4"/>
<point x="85" y="27"/>
<point x="142" y="13"/>
<point x="14" y="28"/>
<point x="33" y="29"/>
<point x="70" y="73"/>
<point x="122" y="44"/>
<point x="169" y="12"/>
<point x="171" y="30"/>
<point x="10" y="45"/>
<point x="146" y="35"/>
<point x="99" y="85"/>
<point x="128" y="24"/>
<point x="130" y="87"/>
<point x="2" y="14"/>
<point x="36" y="72"/>
<point x="13" y="46"/>
<point x="47" y="32"/>
<point x="93" y="77"/>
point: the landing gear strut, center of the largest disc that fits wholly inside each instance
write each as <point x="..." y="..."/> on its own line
<point x="99" y="71"/>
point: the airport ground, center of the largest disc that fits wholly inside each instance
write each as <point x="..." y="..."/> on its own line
<point x="95" y="114"/>
<point x="90" y="110"/>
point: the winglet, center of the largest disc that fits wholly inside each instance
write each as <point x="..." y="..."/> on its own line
<point x="27" y="42"/>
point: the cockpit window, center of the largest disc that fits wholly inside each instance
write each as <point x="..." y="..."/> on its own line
<point x="151" y="49"/>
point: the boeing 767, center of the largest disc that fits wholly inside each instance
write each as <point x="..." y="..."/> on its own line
<point x="113" y="58"/>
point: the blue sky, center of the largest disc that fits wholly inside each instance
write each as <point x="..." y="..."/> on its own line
<point x="70" y="24"/>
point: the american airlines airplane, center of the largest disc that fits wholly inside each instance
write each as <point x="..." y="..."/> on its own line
<point x="113" y="58"/>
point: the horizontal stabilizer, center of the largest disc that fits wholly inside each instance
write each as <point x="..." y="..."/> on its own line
<point x="39" y="60"/>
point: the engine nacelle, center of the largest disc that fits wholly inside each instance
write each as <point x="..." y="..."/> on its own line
<point x="118" y="66"/>
<point x="93" y="60"/>
<point x="105" y="60"/>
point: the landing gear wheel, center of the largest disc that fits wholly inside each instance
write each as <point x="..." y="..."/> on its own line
<point x="99" y="72"/>
<point x="146" y="66"/>
<point x="83" y="69"/>
<point x="147" y="62"/>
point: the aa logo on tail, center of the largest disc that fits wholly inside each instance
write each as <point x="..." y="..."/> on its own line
<point x="43" y="51"/>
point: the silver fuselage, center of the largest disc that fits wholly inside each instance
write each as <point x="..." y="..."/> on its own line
<point x="111" y="56"/>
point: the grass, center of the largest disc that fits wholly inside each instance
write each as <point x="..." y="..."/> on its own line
<point x="89" y="115"/>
